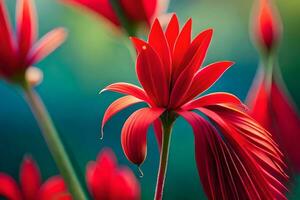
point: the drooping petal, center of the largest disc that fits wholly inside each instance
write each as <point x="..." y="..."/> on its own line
<point x="152" y="75"/>
<point x="117" y="106"/>
<point x="48" y="44"/>
<point x="172" y="32"/>
<point x="30" y="178"/>
<point x="26" y="19"/>
<point x="99" y="175"/>
<point x="286" y="124"/>
<point x="124" y="185"/>
<point x="54" y="188"/>
<point x="9" y="188"/>
<point x="159" y="43"/>
<point x="128" y="89"/>
<point x="229" y="170"/>
<point x="101" y="7"/>
<point x="213" y="99"/>
<point x="134" y="132"/>
<point x="158" y="130"/>
<point x="205" y="78"/>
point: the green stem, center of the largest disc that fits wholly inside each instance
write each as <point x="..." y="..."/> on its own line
<point x="164" y="154"/>
<point x="54" y="143"/>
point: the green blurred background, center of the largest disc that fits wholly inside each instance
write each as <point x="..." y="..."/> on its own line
<point x="93" y="57"/>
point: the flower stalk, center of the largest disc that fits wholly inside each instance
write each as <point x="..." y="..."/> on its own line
<point x="167" y="123"/>
<point x="54" y="143"/>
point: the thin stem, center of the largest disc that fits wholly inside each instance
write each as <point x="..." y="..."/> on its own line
<point x="164" y="154"/>
<point x="54" y="143"/>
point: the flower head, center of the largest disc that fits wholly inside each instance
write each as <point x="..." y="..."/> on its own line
<point x="236" y="157"/>
<point x="31" y="187"/>
<point x="266" y="25"/>
<point x="18" y="53"/>
<point x="134" y="12"/>
<point x="106" y="180"/>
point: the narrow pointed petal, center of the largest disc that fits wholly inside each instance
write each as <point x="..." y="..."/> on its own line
<point x="26" y="26"/>
<point x="30" y="178"/>
<point x="6" y="40"/>
<point x="158" y="42"/>
<point x="54" y="188"/>
<point x="152" y="75"/>
<point x="287" y="124"/>
<point x="117" y="106"/>
<point x="48" y="44"/>
<point x="9" y="188"/>
<point x="99" y="175"/>
<point x="138" y="44"/>
<point x="128" y="89"/>
<point x="134" y="133"/>
<point x="158" y="130"/>
<point x="172" y="32"/>
<point x="205" y="78"/>
<point x="213" y="99"/>
<point x="229" y="172"/>
<point x="182" y="44"/>
<point x="125" y="185"/>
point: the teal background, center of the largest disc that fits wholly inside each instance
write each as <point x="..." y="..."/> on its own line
<point x="95" y="56"/>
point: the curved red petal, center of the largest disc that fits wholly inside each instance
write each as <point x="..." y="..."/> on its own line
<point x="172" y="32"/>
<point x="229" y="170"/>
<point x="134" y="132"/>
<point x="152" y="75"/>
<point x="30" y="178"/>
<point x="26" y="19"/>
<point x="99" y="175"/>
<point x="117" y="106"/>
<point x="287" y="124"/>
<point x="138" y="44"/>
<point x="158" y="42"/>
<point x="48" y="44"/>
<point x="213" y="99"/>
<point x="125" y="185"/>
<point x="205" y="78"/>
<point x="9" y="188"/>
<point x="53" y="188"/>
<point x="158" y="130"/>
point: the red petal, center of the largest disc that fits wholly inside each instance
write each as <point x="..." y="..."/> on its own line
<point x="9" y="188"/>
<point x="48" y="44"/>
<point x="99" y="175"/>
<point x="287" y="124"/>
<point x="134" y="132"/>
<point x="205" y="78"/>
<point x="100" y="7"/>
<point x="159" y="43"/>
<point x="128" y="89"/>
<point x="53" y="188"/>
<point x="172" y="31"/>
<point x="30" y="178"/>
<point x="158" y="130"/>
<point x="152" y="75"/>
<point x="213" y="99"/>
<point x="6" y="40"/>
<point x="124" y="185"/>
<point x="26" y="26"/>
<point x="117" y="106"/>
<point x="182" y="44"/>
<point x="229" y="171"/>
<point x="138" y="44"/>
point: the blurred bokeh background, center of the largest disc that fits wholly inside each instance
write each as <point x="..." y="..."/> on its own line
<point x="94" y="56"/>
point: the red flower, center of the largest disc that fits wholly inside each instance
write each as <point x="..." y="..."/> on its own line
<point x="108" y="181"/>
<point x="236" y="157"/>
<point x="266" y="24"/>
<point x="135" y="12"/>
<point x="18" y="54"/>
<point x="30" y="187"/>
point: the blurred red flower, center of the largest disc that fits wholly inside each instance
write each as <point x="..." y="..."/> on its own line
<point x="106" y="180"/>
<point x="135" y="12"/>
<point x="268" y="100"/>
<point x="236" y="157"/>
<point x="20" y="52"/>
<point x="30" y="187"/>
